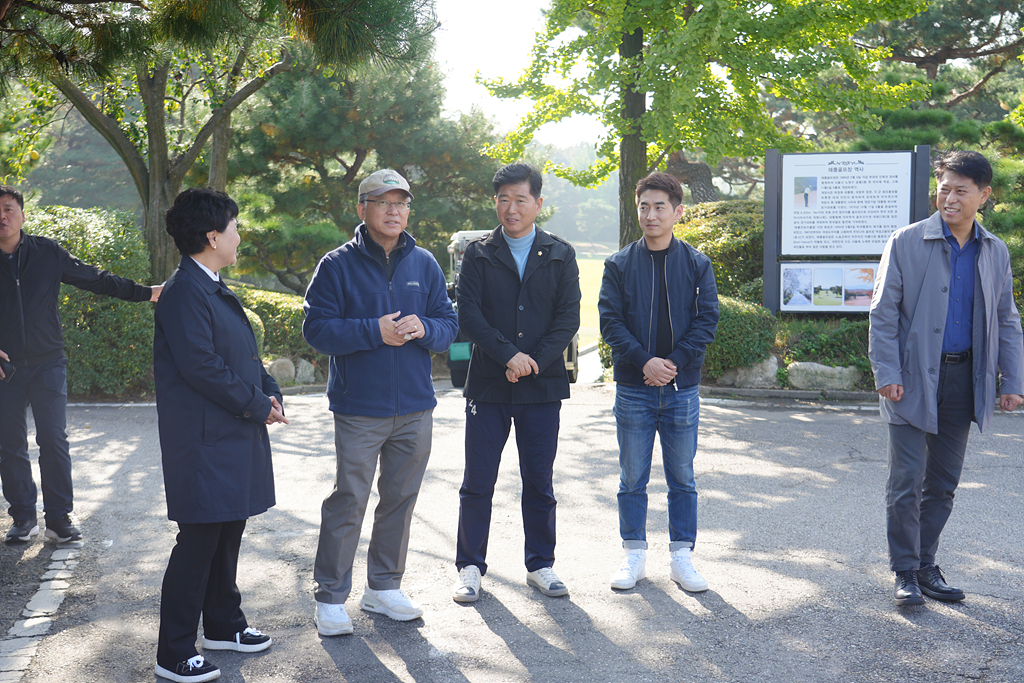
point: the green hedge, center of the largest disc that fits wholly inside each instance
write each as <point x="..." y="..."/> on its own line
<point x="109" y="342"/>
<point x="731" y="234"/>
<point x="282" y="318"/>
<point x="746" y="335"/>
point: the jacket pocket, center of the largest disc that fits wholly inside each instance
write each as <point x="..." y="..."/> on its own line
<point x="210" y="426"/>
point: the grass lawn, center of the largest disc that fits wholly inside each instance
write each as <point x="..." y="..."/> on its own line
<point x="591" y="270"/>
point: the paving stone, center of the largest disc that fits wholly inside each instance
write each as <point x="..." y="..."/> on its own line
<point x="36" y="626"/>
<point x="64" y="554"/>
<point x="45" y="601"/>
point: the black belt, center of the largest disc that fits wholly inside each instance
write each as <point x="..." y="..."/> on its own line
<point x="954" y="358"/>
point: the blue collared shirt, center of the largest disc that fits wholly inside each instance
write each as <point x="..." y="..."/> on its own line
<point x="956" y="337"/>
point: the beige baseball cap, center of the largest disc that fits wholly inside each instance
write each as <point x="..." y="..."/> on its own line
<point x="385" y="180"/>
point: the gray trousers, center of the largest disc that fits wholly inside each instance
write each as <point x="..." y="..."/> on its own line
<point x="924" y="471"/>
<point x="403" y="444"/>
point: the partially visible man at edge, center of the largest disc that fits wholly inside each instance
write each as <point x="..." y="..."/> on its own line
<point x="32" y="340"/>
<point x="377" y="305"/>
<point x="943" y="324"/>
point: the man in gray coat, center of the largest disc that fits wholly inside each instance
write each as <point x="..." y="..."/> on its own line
<point x="943" y="324"/>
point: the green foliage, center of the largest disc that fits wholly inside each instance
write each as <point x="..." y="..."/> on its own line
<point x="109" y="342"/>
<point x="305" y="143"/>
<point x="604" y="352"/>
<point x="282" y="318"/>
<point x="705" y="69"/>
<point x="731" y="234"/>
<point x="257" y="328"/>
<point x="282" y="245"/>
<point x="746" y="335"/>
<point x="837" y="342"/>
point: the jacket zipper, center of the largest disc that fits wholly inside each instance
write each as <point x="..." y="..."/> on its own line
<point x="650" y="324"/>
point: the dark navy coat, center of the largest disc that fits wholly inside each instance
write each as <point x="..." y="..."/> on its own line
<point x="212" y="400"/>
<point x="503" y="315"/>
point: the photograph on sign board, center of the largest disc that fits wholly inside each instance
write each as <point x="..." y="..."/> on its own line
<point x="805" y="192"/>
<point x="796" y="286"/>
<point x="828" y="286"/>
<point x="859" y="285"/>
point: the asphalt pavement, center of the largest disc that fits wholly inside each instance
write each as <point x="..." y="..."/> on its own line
<point x="791" y="539"/>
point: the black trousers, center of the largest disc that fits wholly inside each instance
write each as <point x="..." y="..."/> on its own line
<point x="45" y="388"/>
<point x="924" y="471"/>
<point x="200" y="579"/>
<point x="487" y="429"/>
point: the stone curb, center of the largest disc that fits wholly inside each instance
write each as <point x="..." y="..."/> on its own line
<point x="798" y="394"/>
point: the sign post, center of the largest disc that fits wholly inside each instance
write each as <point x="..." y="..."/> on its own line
<point x="841" y="205"/>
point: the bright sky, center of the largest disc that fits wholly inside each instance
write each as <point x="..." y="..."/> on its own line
<point x="495" y="39"/>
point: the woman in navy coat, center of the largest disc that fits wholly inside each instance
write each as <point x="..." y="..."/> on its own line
<point x="214" y="402"/>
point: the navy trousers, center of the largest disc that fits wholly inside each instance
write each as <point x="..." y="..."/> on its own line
<point x="487" y="430"/>
<point x="200" y="579"/>
<point x="45" y="388"/>
<point x="924" y="471"/>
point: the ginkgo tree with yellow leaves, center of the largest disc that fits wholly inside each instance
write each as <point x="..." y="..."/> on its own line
<point x="667" y="77"/>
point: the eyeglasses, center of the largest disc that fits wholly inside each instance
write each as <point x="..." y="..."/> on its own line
<point x="387" y="206"/>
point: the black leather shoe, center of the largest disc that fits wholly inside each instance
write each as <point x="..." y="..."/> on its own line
<point x="933" y="584"/>
<point x="907" y="592"/>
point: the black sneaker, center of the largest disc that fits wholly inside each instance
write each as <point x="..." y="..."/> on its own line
<point x="62" y="531"/>
<point x="194" y="670"/>
<point x="22" y="532"/>
<point x="249" y="640"/>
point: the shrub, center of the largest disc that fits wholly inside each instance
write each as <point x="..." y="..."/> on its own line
<point x="731" y="234"/>
<point x="109" y="342"/>
<point x="282" y="318"/>
<point x="832" y="341"/>
<point x="746" y="334"/>
<point x="257" y="328"/>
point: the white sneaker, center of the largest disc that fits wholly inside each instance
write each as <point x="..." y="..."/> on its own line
<point x="467" y="588"/>
<point x="633" y="568"/>
<point x="392" y="603"/>
<point x="332" y="620"/>
<point x="547" y="582"/>
<point x="682" y="572"/>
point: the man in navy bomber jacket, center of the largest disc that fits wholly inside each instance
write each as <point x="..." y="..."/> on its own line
<point x="659" y="311"/>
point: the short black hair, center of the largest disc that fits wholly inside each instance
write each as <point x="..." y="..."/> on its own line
<point x="668" y="184"/>
<point x="7" y="190"/>
<point x="513" y="174"/>
<point x="197" y="211"/>
<point x="966" y="163"/>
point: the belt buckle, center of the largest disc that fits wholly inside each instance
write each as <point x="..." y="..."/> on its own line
<point x="953" y="358"/>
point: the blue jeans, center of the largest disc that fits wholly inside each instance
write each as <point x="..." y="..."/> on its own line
<point x="45" y="388"/>
<point x="640" y="412"/>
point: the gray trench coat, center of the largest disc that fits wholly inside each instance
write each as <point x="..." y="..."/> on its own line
<point x="908" y="317"/>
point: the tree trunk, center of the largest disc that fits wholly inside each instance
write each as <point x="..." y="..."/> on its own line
<point x="696" y="175"/>
<point x="220" y="147"/>
<point x="163" y="255"/>
<point x="632" y="149"/>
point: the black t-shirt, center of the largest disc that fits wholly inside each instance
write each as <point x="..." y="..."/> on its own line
<point x="663" y="331"/>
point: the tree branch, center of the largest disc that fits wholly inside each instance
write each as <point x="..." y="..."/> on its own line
<point x="181" y="165"/>
<point x="974" y="89"/>
<point x="110" y="131"/>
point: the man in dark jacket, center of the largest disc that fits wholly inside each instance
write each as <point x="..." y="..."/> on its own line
<point x="378" y="306"/>
<point x="34" y="368"/>
<point x="659" y="312"/>
<point x="519" y="303"/>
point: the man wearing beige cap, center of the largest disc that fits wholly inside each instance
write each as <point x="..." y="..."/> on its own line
<point x="377" y="305"/>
